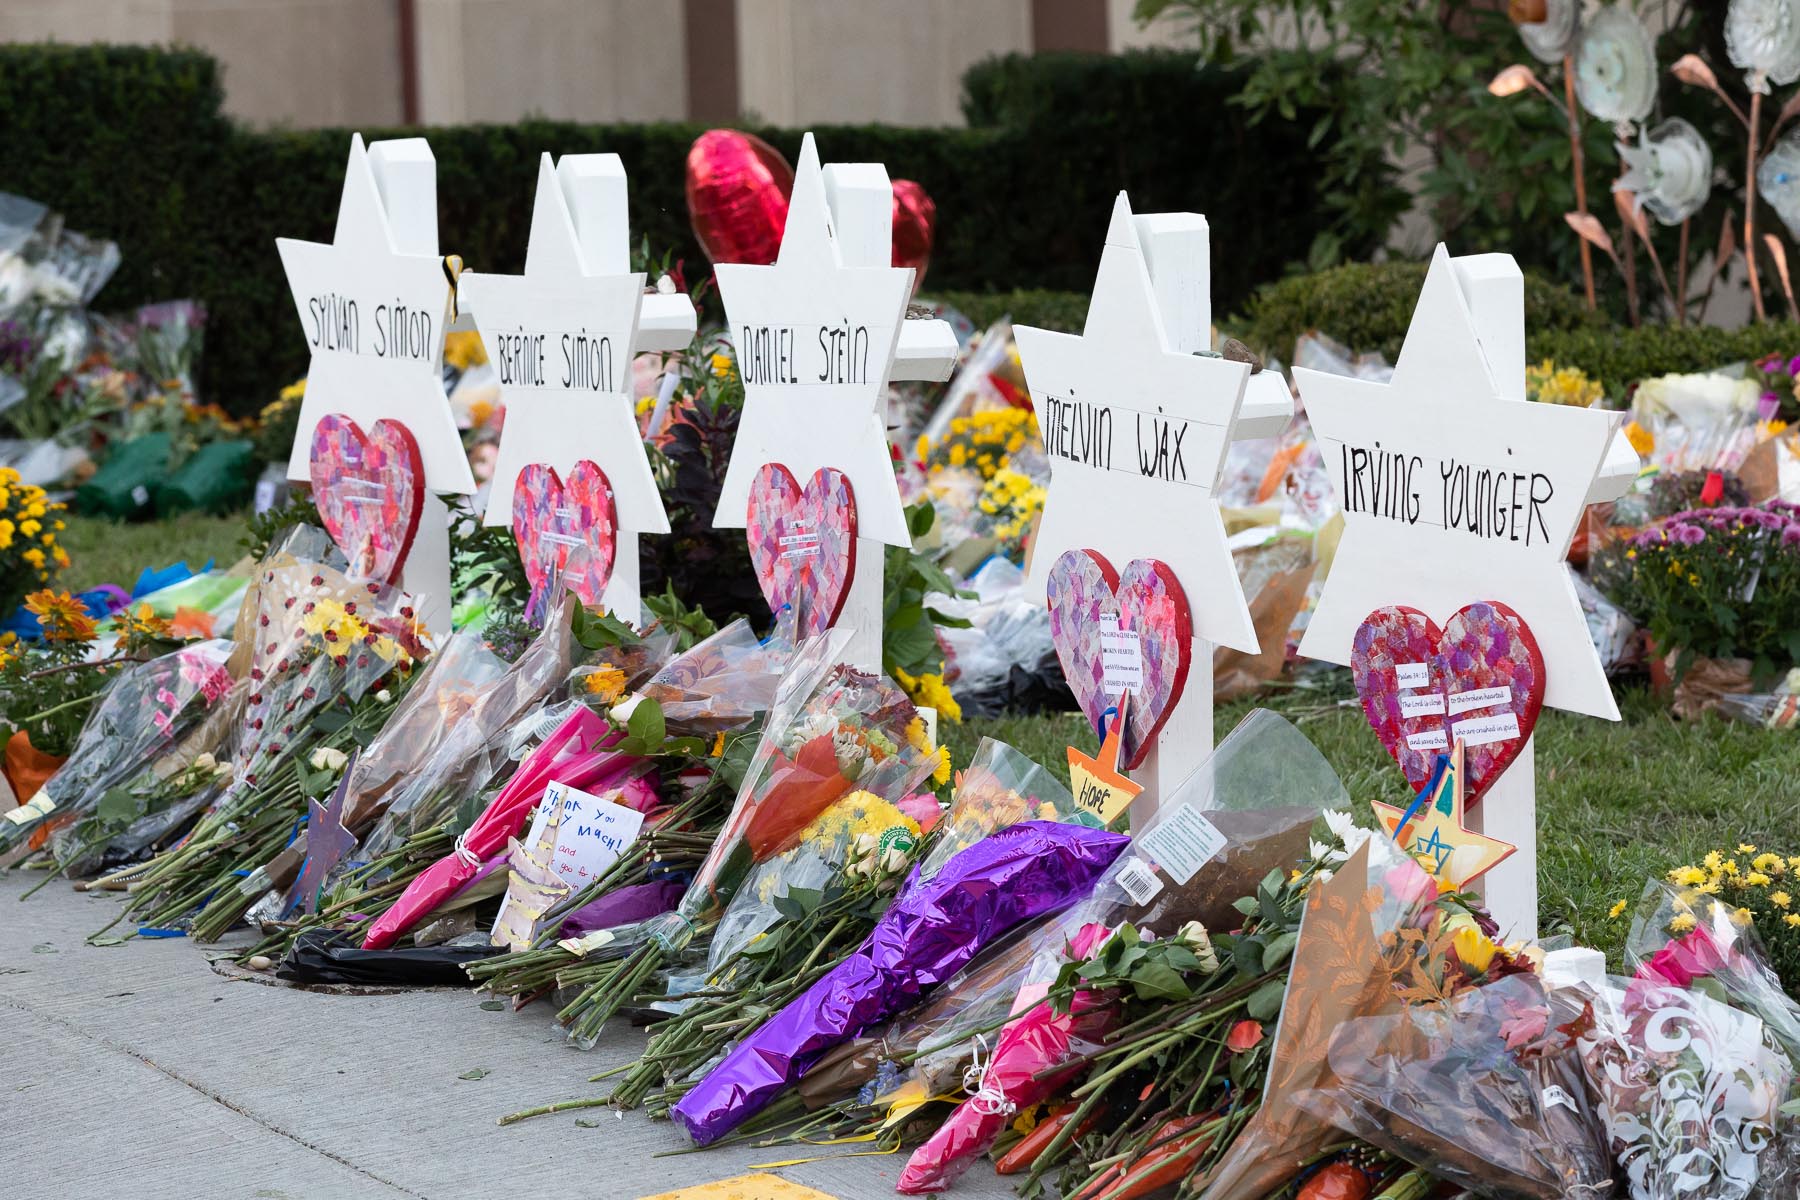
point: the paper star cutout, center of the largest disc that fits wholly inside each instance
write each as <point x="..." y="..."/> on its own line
<point x="327" y="841"/>
<point x="804" y="316"/>
<point x="1100" y="788"/>
<point x="1433" y="831"/>
<point x="1137" y="435"/>
<point x="374" y="322"/>
<point x="1516" y="470"/>
<point x="561" y="336"/>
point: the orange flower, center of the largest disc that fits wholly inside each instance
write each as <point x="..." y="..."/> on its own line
<point x="190" y="623"/>
<point x="61" y="616"/>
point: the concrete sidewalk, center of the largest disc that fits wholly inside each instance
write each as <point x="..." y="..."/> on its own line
<point x="137" y="1070"/>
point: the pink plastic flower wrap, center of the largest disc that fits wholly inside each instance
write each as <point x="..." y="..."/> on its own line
<point x="579" y="754"/>
<point x="1021" y="1073"/>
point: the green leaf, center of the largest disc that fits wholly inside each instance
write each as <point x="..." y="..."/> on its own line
<point x="646" y="723"/>
<point x="492" y="1005"/>
<point x="475" y="1073"/>
<point x="1278" y="950"/>
<point x="1159" y="981"/>
<point x="1265" y="1002"/>
<point x="1247" y="905"/>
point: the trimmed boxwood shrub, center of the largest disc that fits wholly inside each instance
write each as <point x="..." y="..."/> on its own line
<point x="1368" y="306"/>
<point x="130" y="143"/>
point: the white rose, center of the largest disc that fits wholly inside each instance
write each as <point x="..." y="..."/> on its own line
<point x="894" y="860"/>
<point x="327" y="759"/>
<point x="205" y="761"/>
<point x="384" y="696"/>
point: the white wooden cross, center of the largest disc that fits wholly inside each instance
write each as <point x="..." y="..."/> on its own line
<point x="806" y="408"/>
<point x="373" y="305"/>
<point x="561" y="338"/>
<point x="1133" y="366"/>
<point x="1455" y="406"/>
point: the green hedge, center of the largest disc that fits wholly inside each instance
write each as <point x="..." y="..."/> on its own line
<point x="129" y="143"/>
<point x="1368" y="306"/>
<point x="1063" y="311"/>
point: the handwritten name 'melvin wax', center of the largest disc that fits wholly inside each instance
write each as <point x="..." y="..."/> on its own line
<point x="1488" y="502"/>
<point x="790" y="354"/>
<point x="1083" y="432"/>
<point x="334" y="324"/>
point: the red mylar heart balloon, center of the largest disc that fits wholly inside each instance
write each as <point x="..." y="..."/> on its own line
<point x="915" y="222"/>
<point x="737" y="194"/>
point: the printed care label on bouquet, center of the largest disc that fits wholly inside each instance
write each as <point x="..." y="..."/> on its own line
<point x="1182" y="842"/>
<point x="591" y="835"/>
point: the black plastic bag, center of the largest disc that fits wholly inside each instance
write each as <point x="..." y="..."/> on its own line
<point x="328" y="956"/>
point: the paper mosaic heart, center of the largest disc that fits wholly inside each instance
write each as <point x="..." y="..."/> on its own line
<point x="1480" y="677"/>
<point x="567" y="530"/>
<point x="803" y="542"/>
<point x="369" y="489"/>
<point x="1088" y="598"/>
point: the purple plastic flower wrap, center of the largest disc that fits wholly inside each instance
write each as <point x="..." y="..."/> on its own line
<point x="636" y="902"/>
<point x="926" y="936"/>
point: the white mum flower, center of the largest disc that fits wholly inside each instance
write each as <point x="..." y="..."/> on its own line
<point x="1339" y="822"/>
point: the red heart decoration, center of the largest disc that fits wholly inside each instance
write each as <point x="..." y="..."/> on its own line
<point x="1086" y="597"/>
<point x="737" y="193"/>
<point x="1415" y="678"/>
<point x="552" y="517"/>
<point x="370" y="490"/>
<point x="803" y="542"/>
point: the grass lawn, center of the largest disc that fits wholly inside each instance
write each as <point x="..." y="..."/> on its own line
<point x="1617" y="803"/>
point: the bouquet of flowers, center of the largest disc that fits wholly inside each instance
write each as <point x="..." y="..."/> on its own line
<point x="1256" y="800"/>
<point x="929" y="933"/>
<point x="1689" y="1088"/>
<point x="146" y="708"/>
<point x="1484" y="1090"/>
<point x="832" y="730"/>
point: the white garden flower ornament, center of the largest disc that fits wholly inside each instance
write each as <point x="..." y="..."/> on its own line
<point x="1669" y="171"/>
<point x="1778" y="179"/>
<point x="1553" y="39"/>
<point x="1763" y="37"/>
<point x="1615" y="67"/>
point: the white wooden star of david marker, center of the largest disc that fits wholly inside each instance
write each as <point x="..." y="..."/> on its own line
<point x="1136" y="427"/>
<point x="1455" y="488"/>
<point x="561" y="338"/>
<point x="373" y="305"/>
<point x="816" y="334"/>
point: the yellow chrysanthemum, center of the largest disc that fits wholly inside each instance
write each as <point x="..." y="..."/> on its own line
<point x="1769" y="864"/>
<point x="1713" y="861"/>
<point x="1746" y="848"/>
<point x="1617" y="910"/>
<point x="1687" y="876"/>
<point x="606" y="682"/>
<point x="1793" y="920"/>
<point x="61" y="616"/>
<point x="1780" y="899"/>
<point x="35" y="557"/>
<point x="1756" y="879"/>
<point x="1682" y="923"/>
<point x="1474" y="949"/>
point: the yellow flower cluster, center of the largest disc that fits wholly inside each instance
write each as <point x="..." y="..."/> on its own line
<point x="61" y="616"/>
<point x="1752" y="887"/>
<point x="868" y="834"/>
<point x="930" y="691"/>
<point x="1013" y="499"/>
<point x="605" y="681"/>
<point x="289" y="396"/>
<point x="463" y="349"/>
<point x="983" y="441"/>
<point x="1549" y="384"/>
<point x="28" y="528"/>
<point x="722" y="365"/>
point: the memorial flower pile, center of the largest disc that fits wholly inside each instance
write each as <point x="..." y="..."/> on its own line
<point x="982" y="442"/>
